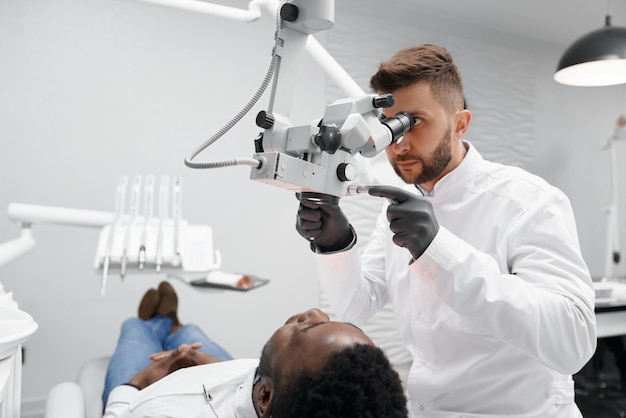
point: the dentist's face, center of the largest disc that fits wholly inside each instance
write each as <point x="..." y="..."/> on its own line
<point x="434" y="146"/>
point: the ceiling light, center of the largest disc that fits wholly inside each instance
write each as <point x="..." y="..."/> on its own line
<point x="596" y="59"/>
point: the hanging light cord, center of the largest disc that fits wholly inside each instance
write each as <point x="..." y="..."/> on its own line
<point x="253" y="162"/>
<point x="607" y="19"/>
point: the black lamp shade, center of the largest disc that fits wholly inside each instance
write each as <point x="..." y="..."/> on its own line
<point x="596" y="59"/>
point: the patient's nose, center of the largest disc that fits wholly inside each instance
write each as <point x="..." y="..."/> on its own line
<point x="312" y="316"/>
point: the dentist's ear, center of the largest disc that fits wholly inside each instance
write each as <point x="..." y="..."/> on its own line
<point x="463" y="118"/>
<point x="265" y="395"/>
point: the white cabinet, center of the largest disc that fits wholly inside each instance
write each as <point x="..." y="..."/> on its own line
<point x="16" y="326"/>
<point x="11" y="384"/>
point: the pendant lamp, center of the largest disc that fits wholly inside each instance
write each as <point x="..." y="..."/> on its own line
<point x="596" y="59"/>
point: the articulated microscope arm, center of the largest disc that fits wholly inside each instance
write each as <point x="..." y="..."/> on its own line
<point x="313" y="158"/>
<point x="316" y="158"/>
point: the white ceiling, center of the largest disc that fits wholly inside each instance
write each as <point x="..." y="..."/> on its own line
<point x="556" y="21"/>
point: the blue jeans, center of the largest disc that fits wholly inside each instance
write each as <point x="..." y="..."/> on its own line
<point x="139" y="339"/>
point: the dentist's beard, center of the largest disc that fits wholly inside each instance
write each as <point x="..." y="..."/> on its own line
<point x="430" y="168"/>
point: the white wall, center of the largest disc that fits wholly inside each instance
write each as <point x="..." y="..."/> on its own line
<point x="90" y="90"/>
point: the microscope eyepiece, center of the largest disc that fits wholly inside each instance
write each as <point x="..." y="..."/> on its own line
<point x="399" y="124"/>
<point x="384" y="100"/>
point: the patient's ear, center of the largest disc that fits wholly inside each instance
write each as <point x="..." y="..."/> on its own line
<point x="264" y="396"/>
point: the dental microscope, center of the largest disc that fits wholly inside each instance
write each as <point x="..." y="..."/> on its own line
<point x="314" y="160"/>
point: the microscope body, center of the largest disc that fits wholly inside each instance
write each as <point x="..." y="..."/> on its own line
<point x="317" y="157"/>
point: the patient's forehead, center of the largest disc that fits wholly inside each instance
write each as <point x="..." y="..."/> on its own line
<point x="310" y="346"/>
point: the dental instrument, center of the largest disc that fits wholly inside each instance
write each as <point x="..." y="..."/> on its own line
<point x="177" y="208"/>
<point x="119" y="210"/>
<point x="134" y="212"/>
<point x="148" y="202"/>
<point x="163" y="198"/>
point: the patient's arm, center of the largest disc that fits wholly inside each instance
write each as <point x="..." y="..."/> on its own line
<point x="198" y="357"/>
<point x="169" y="361"/>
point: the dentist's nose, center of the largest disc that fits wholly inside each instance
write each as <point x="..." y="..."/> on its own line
<point x="401" y="146"/>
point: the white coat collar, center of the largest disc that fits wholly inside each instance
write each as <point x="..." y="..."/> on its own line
<point x="463" y="174"/>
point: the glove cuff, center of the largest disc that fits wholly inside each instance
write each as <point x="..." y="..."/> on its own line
<point x="316" y="249"/>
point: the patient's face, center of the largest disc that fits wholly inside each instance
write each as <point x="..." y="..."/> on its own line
<point x="307" y="339"/>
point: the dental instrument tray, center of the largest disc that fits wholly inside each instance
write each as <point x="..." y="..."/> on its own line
<point x="226" y="281"/>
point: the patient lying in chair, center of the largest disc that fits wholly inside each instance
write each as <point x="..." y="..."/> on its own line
<point x="310" y="367"/>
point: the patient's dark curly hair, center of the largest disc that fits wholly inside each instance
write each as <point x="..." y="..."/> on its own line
<point x="357" y="382"/>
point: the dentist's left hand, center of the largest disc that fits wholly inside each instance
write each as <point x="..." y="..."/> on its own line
<point x="411" y="219"/>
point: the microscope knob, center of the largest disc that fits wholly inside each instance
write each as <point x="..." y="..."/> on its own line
<point x="385" y="100"/>
<point x="289" y="12"/>
<point x="346" y="172"/>
<point x="264" y="120"/>
<point x="328" y="138"/>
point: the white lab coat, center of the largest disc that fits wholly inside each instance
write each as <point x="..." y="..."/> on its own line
<point x="181" y="394"/>
<point x="498" y="313"/>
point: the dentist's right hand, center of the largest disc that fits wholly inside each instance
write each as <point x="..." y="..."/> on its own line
<point x="325" y="226"/>
<point x="411" y="219"/>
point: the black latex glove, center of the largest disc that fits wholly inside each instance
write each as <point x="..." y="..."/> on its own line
<point x="324" y="225"/>
<point x="411" y="219"/>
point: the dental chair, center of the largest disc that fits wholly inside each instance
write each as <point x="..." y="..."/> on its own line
<point x="80" y="399"/>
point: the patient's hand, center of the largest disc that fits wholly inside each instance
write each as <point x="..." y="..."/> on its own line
<point x="167" y="362"/>
<point x="198" y="356"/>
